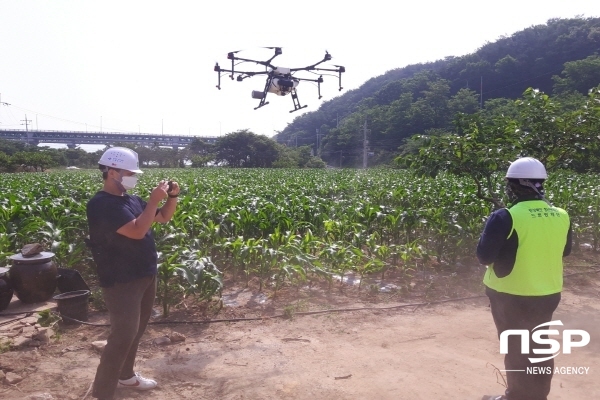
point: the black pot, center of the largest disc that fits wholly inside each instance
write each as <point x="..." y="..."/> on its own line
<point x="6" y="291"/>
<point x="33" y="278"/>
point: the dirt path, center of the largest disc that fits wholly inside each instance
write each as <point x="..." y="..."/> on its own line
<point x="425" y="353"/>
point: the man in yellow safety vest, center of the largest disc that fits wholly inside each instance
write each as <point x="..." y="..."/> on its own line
<point x="523" y="246"/>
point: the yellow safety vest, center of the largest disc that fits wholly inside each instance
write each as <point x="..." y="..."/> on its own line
<point x="542" y="232"/>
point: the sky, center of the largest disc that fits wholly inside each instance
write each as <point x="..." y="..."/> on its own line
<point x="148" y="66"/>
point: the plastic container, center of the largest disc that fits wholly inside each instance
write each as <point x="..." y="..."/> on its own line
<point x="73" y="306"/>
<point x="70" y="280"/>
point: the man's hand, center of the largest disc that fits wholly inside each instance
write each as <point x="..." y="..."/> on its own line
<point x="165" y="213"/>
<point x="174" y="188"/>
<point x="159" y="192"/>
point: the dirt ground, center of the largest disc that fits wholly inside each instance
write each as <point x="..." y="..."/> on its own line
<point x="432" y="351"/>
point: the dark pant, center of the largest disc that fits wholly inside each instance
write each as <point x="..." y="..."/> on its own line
<point x="129" y="307"/>
<point x="523" y="312"/>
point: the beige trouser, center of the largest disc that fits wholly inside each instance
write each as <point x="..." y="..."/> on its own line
<point x="129" y="307"/>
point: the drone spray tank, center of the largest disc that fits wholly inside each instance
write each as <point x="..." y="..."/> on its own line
<point x="281" y="83"/>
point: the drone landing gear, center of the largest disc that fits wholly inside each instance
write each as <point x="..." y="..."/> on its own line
<point x="262" y="95"/>
<point x="262" y="103"/>
<point x="297" y="105"/>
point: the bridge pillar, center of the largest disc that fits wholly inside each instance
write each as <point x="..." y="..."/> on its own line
<point x="71" y="145"/>
<point x="30" y="140"/>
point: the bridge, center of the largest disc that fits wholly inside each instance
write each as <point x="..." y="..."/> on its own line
<point x="75" y="138"/>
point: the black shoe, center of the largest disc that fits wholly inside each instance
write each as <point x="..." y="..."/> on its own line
<point x="497" y="397"/>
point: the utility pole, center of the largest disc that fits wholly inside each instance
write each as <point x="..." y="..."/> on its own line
<point x="365" y="142"/>
<point x="319" y="142"/>
<point x="26" y="122"/>
<point x="481" y="94"/>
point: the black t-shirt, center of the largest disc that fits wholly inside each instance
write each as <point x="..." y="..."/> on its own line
<point x="119" y="258"/>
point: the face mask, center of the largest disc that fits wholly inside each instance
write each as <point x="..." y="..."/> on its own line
<point x="129" y="182"/>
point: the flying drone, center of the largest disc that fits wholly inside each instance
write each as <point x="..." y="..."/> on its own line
<point x="280" y="81"/>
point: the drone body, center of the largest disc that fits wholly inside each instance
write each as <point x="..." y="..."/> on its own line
<point x="280" y="81"/>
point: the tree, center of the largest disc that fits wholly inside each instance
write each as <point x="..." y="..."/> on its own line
<point x="579" y="75"/>
<point x="246" y="149"/>
<point x="200" y="152"/>
<point x="464" y="101"/>
<point x="40" y="161"/>
<point x="10" y="147"/>
<point x="477" y="151"/>
<point x="315" y="162"/>
<point x="4" y="162"/>
<point x="200" y="161"/>
<point x="550" y="135"/>
<point x="59" y="157"/>
<point x="75" y="156"/>
<point x="481" y="147"/>
<point x="297" y="157"/>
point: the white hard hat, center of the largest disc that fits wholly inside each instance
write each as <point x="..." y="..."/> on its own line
<point x="121" y="158"/>
<point x="527" y="168"/>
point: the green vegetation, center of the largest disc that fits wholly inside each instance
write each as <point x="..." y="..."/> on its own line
<point x="559" y="58"/>
<point x="276" y="217"/>
<point x="538" y="128"/>
<point x="47" y="318"/>
<point x="241" y="149"/>
<point x="282" y="227"/>
<point x="5" y="346"/>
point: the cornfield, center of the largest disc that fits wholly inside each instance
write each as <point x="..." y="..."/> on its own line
<point x="281" y="226"/>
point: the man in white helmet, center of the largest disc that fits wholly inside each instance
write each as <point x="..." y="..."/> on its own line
<point x="523" y="246"/>
<point x="125" y="254"/>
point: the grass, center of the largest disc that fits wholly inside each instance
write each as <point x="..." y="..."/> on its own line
<point x="5" y="345"/>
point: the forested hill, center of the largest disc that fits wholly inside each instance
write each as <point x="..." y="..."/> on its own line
<point x="417" y="98"/>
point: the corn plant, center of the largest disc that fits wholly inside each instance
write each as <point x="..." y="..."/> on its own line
<point x="282" y="227"/>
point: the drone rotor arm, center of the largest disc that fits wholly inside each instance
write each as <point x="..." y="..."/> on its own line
<point x="340" y="69"/>
<point x="320" y="79"/>
<point x="277" y="52"/>
<point x="248" y="73"/>
<point x="313" y="66"/>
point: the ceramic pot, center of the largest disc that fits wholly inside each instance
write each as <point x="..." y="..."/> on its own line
<point x="33" y="278"/>
<point x="6" y="291"/>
